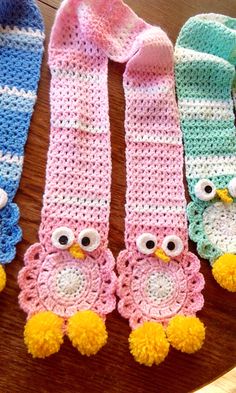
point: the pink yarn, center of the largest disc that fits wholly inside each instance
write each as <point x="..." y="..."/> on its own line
<point x="77" y="194"/>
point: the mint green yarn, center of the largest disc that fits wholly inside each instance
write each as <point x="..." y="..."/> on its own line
<point x="197" y="234"/>
<point x="205" y="75"/>
<point x="204" y="33"/>
<point x="198" y="143"/>
<point x="204" y="78"/>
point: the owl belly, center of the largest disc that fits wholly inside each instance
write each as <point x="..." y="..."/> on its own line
<point x="70" y="282"/>
<point x="159" y="288"/>
<point x="67" y="285"/>
<point x="219" y="222"/>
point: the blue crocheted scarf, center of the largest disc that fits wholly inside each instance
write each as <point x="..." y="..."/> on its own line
<point x="21" y="50"/>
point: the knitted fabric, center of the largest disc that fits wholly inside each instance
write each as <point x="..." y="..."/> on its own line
<point x="21" y="43"/>
<point x="205" y="58"/>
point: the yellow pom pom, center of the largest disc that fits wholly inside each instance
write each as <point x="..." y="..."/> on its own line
<point x="186" y="333"/>
<point x="148" y="343"/>
<point x="87" y="332"/>
<point x="43" y="334"/>
<point x="224" y="271"/>
<point x="3" y="278"/>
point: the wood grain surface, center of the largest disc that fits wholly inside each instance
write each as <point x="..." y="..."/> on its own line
<point x="113" y="369"/>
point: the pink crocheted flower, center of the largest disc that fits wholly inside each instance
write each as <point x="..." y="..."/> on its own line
<point x="153" y="290"/>
<point x="60" y="283"/>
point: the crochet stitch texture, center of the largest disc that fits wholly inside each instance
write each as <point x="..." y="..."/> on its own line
<point x="69" y="274"/>
<point x="67" y="286"/>
<point x="205" y="58"/>
<point x="21" y="44"/>
<point x="153" y="287"/>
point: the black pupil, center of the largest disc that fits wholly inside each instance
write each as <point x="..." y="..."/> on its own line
<point x="63" y="239"/>
<point x="208" y="189"/>
<point x="150" y="244"/>
<point x="171" y="246"/>
<point x="85" y="241"/>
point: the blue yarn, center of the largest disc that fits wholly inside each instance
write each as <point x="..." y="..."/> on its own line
<point x="14" y="131"/>
<point x="20" y="13"/>
<point x="20" y="61"/>
<point x="10" y="186"/>
<point x="10" y="232"/>
<point x="22" y="68"/>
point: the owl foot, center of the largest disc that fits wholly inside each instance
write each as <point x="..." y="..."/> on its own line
<point x="87" y="332"/>
<point x="43" y="334"/>
<point x="148" y="343"/>
<point x="224" y="271"/>
<point x="3" y="278"/>
<point x="186" y="333"/>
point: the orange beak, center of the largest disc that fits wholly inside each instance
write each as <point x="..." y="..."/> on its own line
<point x="159" y="253"/>
<point x="76" y="251"/>
<point x="224" y="195"/>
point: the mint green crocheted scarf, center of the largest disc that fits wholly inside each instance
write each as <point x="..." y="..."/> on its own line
<point x="205" y="57"/>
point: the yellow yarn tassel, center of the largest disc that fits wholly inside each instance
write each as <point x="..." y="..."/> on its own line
<point x="87" y="332"/>
<point x="224" y="271"/>
<point x="43" y="334"/>
<point x="3" y="278"/>
<point x="186" y="333"/>
<point x="148" y="343"/>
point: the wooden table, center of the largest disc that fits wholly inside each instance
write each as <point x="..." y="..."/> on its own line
<point x="113" y="370"/>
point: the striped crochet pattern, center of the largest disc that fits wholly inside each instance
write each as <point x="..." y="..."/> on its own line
<point x="68" y="283"/>
<point x="21" y="43"/>
<point x="205" y="57"/>
<point x="159" y="282"/>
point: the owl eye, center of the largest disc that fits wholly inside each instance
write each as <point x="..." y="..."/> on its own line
<point x="3" y="198"/>
<point x="205" y="190"/>
<point x="62" y="238"/>
<point x="232" y="187"/>
<point x="172" y="245"/>
<point x="89" y="239"/>
<point x="146" y="243"/>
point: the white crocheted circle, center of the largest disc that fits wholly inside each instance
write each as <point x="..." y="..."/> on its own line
<point x="172" y="245"/>
<point x="158" y="288"/>
<point x="3" y="198"/>
<point x="65" y="285"/>
<point x="62" y="238"/>
<point x="205" y="190"/>
<point x="219" y="222"/>
<point x="159" y="285"/>
<point x="232" y="187"/>
<point x="70" y="282"/>
<point x="146" y="243"/>
<point x="89" y="239"/>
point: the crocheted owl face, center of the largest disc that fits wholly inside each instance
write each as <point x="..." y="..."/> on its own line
<point x="69" y="270"/>
<point x="170" y="247"/>
<point x="87" y="241"/>
<point x="158" y="279"/>
<point x="212" y="216"/>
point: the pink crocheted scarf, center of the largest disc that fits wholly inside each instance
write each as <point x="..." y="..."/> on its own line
<point x="71" y="268"/>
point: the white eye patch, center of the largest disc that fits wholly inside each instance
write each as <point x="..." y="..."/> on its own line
<point x="89" y="239"/>
<point x="205" y="190"/>
<point x="3" y="198"/>
<point x="232" y="187"/>
<point x="146" y="243"/>
<point x="172" y="245"/>
<point x="62" y="238"/>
